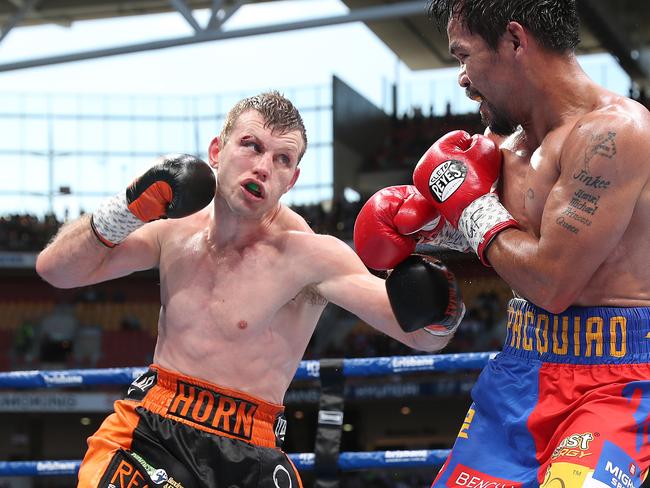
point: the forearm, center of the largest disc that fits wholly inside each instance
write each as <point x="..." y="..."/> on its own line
<point x="72" y="256"/>
<point x="520" y="260"/>
<point x="420" y="340"/>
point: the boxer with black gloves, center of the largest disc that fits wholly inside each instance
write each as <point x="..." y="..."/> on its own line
<point x="243" y="283"/>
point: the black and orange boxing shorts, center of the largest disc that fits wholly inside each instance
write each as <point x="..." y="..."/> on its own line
<point x="175" y="431"/>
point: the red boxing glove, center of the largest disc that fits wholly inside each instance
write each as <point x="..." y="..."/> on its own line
<point x="458" y="175"/>
<point x="391" y="223"/>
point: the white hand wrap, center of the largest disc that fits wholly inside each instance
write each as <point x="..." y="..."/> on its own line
<point x="482" y="220"/>
<point x="450" y="238"/>
<point x="113" y="220"/>
<point x="447" y="236"/>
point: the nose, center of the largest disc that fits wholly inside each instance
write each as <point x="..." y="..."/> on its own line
<point x="263" y="165"/>
<point x="463" y="79"/>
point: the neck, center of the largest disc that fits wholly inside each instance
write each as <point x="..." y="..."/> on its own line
<point x="560" y="91"/>
<point x="227" y="230"/>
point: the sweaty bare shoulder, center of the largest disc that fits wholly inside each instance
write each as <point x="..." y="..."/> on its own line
<point x="288" y="220"/>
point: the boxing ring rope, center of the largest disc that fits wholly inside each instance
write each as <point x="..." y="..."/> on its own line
<point x="352" y="367"/>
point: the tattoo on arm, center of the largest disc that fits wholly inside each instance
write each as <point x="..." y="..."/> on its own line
<point x="600" y="145"/>
<point x="584" y="202"/>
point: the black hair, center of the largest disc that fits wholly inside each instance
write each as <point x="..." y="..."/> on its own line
<point x="554" y="23"/>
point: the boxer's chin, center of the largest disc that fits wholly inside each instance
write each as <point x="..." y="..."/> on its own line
<point x="496" y="120"/>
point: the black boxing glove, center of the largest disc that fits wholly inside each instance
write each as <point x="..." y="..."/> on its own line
<point x="177" y="186"/>
<point x="424" y="294"/>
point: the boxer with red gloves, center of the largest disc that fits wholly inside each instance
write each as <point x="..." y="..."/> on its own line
<point x="458" y="175"/>
<point x="177" y="186"/>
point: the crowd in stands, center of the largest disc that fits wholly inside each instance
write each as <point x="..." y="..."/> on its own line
<point x="411" y="136"/>
<point x="29" y="233"/>
<point x="26" y="232"/>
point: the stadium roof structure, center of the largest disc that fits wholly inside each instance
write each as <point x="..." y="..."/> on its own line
<point x="615" y="26"/>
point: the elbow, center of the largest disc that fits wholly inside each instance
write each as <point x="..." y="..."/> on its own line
<point x="46" y="268"/>
<point x="555" y="299"/>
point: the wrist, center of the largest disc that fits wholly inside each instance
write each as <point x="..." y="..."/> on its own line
<point x="482" y="220"/>
<point x="447" y="237"/>
<point x="112" y="222"/>
<point x="453" y="318"/>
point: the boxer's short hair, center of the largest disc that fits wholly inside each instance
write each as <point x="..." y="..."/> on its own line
<point x="278" y="112"/>
<point x="554" y="23"/>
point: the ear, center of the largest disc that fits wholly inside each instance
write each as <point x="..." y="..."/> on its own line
<point x="213" y="152"/>
<point x="516" y="37"/>
<point x="293" y="180"/>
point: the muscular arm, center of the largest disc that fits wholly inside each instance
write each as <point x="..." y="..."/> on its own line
<point x="603" y="169"/>
<point x="346" y="282"/>
<point x="76" y="258"/>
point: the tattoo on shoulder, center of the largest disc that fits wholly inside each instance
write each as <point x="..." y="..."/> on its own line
<point x="600" y="145"/>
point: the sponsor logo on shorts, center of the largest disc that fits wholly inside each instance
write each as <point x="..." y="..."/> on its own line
<point x="574" y="445"/>
<point x="564" y="475"/>
<point x="139" y="388"/>
<point x="616" y="468"/>
<point x="280" y="429"/>
<point x="281" y="477"/>
<point x="446" y="178"/>
<point x="233" y="416"/>
<point x="157" y="475"/>
<point x="123" y="472"/>
<point x="465" y="477"/>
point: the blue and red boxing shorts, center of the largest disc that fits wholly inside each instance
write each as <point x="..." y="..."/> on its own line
<point x="176" y="431"/>
<point x="565" y="404"/>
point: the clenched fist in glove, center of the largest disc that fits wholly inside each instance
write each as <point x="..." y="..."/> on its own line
<point x="393" y="221"/>
<point x="424" y="294"/>
<point x="177" y="186"/>
<point x="458" y="175"/>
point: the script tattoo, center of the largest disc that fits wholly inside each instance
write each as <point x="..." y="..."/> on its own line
<point x="601" y="145"/>
<point x="581" y="203"/>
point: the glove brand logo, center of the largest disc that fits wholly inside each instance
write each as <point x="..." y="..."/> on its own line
<point x="446" y="178"/>
<point x="280" y="474"/>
